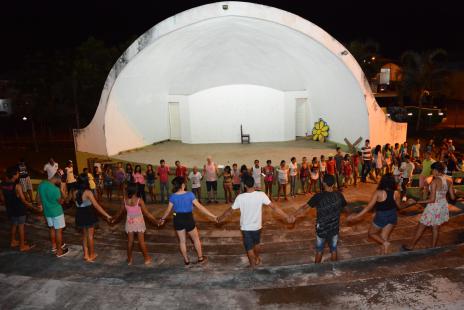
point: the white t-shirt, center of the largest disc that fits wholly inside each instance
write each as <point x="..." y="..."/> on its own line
<point x="407" y="169"/>
<point x="251" y="209"/>
<point x="195" y="178"/>
<point x="293" y="169"/>
<point x="257" y="175"/>
<point x="282" y="174"/>
<point x="51" y="169"/>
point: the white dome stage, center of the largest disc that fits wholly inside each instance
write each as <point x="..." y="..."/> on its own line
<point x="197" y="76"/>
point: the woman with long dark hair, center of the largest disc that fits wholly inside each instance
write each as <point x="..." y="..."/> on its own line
<point x="151" y="177"/>
<point x="182" y="202"/>
<point x="135" y="222"/>
<point x="436" y="211"/>
<point x="86" y="219"/>
<point x="385" y="200"/>
<point x="139" y="180"/>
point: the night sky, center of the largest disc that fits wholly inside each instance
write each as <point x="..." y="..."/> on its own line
<point x="27" y="26"/>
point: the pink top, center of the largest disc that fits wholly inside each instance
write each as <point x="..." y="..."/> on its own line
<point x="235" y="177"/>
<point x="139" y="178"/>
<point x="133" y="210"/>
<point x="211" y="174"/>
<point x="163" y="174"/>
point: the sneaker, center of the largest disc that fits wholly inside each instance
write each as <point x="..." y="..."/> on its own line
<point x="65" y="252"/>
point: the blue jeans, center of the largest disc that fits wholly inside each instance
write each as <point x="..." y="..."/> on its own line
<point x="164" y="187"/>
<point x="320" y="243"/>
<point x="366" y="168"/>
<point x="293" y="185"/>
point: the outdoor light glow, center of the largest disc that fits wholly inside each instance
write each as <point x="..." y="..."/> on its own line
<point x="410" y="114"/>
<point x="24" y="118"/>
<point x="373" y="58"/>
<point x="429" y="114"/>
<point x="441" y="113"/>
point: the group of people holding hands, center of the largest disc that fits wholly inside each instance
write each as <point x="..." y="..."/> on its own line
<point x="243" y="189"/>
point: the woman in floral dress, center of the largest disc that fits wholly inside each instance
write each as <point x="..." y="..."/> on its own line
<point x="436" y="212"/>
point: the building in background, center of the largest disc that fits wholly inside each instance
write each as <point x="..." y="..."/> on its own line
<point x="198" y="76"/>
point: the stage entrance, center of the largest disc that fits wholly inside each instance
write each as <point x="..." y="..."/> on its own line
<point x="301" y="116"/>
<point x="174" y="121"/>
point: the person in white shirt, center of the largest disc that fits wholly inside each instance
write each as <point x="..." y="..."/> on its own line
<point x="51" y="168"/>
<point x="251" y="204"/>
<point x="256" y="172"/>
<point x="406" y="169"/>
<point x="195" y="178"/>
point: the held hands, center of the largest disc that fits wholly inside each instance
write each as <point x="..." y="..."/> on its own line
<point x="161" y="222"/>
<point x="291" y="219"/>
<point x="39" y="208"/>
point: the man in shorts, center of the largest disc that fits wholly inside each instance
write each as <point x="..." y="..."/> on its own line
<point x="12" y="195"/>
<point x="251" y="204"/>
<point x="210" y="172"/>
<point x="49" y="197"/>
<point x="25" y="180"/>
<point x="329" y="205"/>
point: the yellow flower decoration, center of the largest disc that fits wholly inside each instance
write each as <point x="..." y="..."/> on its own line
<point x="320" y="130"/>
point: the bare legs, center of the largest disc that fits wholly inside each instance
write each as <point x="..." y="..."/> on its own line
<point x="268" y="189"/>
<point x="151" y="192"/>
<point x="283" y="188"/>
<point x="420" y="230"/>
<point x="88" y="244"/>
<point x="23" y="246"/>
<point x="193" y="234"/>
<point x="56" y="237"/>
<point x="318" y="257"/>
<point x="381" y="236"/>
<point x="253" y="256"/>
<point x="228" y="192"/>
<point x="142" y="246"/>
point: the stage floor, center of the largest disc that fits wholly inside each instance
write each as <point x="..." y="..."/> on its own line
<point x="227" y="153"/>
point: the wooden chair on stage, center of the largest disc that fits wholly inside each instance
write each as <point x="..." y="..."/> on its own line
<point x="244" y="137"/>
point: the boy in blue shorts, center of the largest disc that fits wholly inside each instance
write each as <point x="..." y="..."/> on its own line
<point x="329" y="205"/>
<point x="251" y="204"/>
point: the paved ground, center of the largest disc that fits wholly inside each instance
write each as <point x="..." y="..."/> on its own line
<point x="421" y="280"/>
<point x="362" y="279"/>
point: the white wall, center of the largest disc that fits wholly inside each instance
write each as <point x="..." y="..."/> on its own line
<point x="208" y="47"/>
<point x="216" y="114"/>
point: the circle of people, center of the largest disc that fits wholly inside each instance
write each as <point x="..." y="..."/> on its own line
<point x="326" y="178"/>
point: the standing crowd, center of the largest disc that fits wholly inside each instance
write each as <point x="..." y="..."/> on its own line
<point x="246" y="189"/>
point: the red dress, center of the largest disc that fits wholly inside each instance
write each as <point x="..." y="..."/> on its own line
<point x="347" y="169"/>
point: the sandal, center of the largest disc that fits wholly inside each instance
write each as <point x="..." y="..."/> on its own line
<point x="202" y="259"/>
<point x="186" y="263"/>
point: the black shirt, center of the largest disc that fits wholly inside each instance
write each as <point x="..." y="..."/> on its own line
<point x="328" y="205"/>
<point x="14" y="206"/>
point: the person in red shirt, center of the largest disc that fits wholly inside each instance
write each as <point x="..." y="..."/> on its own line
<point x="181" y="171"/>
<point x="347" y="170"/>
<point x="331" y="165"/>
<point x="163" y="174"/>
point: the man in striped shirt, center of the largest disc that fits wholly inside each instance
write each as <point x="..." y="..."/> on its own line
<point x="366" y="160"/>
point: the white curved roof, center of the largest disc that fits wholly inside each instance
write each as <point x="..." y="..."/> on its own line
<point x="208" y="46"/>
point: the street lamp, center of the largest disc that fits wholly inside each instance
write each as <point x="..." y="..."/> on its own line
<point x="24" y="118"/>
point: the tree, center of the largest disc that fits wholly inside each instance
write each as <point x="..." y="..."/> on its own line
<point x="422" y="76"/>
<point x="367" y="55"/>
